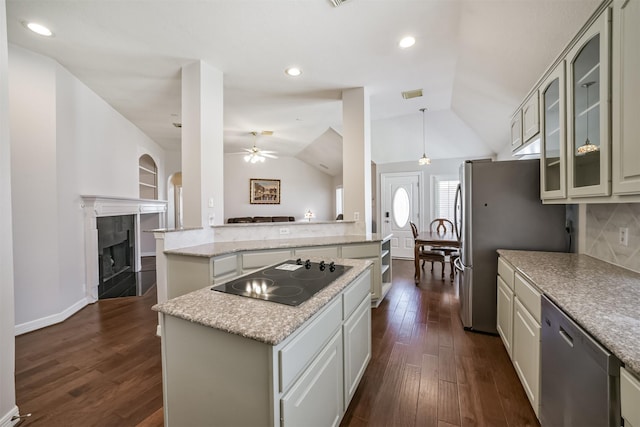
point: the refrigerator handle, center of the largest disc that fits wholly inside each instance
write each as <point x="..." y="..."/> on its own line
<point x="458" y="264"/>
<point x="455" y="211"/>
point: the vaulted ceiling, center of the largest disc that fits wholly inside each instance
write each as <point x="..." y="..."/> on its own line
<point x="475" y="60"/>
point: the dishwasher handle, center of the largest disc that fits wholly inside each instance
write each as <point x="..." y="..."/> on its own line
<point x="565" y="336"/>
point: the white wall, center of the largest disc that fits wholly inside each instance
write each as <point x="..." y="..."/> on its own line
<point x="302" y="187"/>
<point x="80" y="146"/>
<point x="7" y="341"/>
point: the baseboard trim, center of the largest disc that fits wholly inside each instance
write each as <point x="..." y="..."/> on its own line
<point x="43" y="322"/>
<point x="5" y="421"/>
<point x="152" y="253"/>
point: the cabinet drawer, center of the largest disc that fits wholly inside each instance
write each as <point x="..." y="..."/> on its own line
<point x="262" y="259"/>
<point x="317" y="398"/>
<point x="506" y="272"/>
<point x="224" y="265"/>
<point x="353" y="296"/>
<point x="320" y="251"/>
<point x="302" y="349"/>
<point x="505" y="314"/>
<point x="360" y="251"/>
<point x="529" y="296"/>
<point x="630" y="398"/>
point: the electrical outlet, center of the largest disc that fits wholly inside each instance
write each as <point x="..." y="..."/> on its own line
<point x="284" y="231"/>
<point x="623" y="238"/>
<point x="356" y="216"/>
<point x="212" y="219"/>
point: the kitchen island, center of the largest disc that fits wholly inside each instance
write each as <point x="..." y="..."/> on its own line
<point x="231" y="360"/>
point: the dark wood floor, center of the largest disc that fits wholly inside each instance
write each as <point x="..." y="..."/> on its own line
<point x="101" y="367"/>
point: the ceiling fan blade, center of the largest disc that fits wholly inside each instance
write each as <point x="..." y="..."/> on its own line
<point x="271" y="156"/>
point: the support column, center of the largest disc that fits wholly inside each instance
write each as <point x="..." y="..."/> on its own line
<point x="202" y="145"/>
<point x="356" y="156"/>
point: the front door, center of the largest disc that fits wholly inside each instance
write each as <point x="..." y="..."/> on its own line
<point x="400" y="206"/>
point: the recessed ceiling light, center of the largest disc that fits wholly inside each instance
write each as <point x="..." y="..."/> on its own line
<point x="293" y="71"/>
<point x="38" y="28"/>
<point x="407" y="42"/>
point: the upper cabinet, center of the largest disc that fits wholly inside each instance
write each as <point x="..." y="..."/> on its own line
<point x="516" y="130"/>
<point x="530" y="118"/>
<point x="589" y="105"/>
<point x="626" y="97"/>
<point x="553" y="183"/>
<point x="588" y="111"/>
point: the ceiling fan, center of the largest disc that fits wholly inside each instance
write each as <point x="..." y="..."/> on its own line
<point x="255" y="154"/>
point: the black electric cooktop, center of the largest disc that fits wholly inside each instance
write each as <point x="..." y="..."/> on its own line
<point x="291" y="282"/>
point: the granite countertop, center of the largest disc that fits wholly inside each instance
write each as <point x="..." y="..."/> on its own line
<point x="220" y="248"/>
<point x="603" y="298"/>
<point x="256" y="319"/>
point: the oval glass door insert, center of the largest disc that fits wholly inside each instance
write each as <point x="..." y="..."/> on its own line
<point x="401" y="207"/>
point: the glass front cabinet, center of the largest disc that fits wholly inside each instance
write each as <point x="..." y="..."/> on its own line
<point x="588" y="135"/>
<point x="554" y="136"/>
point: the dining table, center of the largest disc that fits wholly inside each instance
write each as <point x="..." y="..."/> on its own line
<point x="434" y="239"/>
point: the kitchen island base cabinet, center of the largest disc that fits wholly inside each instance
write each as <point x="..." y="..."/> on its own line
<point x="212" y="377"/>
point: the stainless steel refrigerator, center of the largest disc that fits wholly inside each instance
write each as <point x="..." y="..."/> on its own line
<point x="498" y="207"/>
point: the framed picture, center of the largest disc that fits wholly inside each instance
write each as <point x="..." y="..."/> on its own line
<point x="264" y="191"/>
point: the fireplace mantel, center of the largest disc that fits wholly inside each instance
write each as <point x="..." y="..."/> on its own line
<point x="109" y="206"/>
<point x="100" y="206"/>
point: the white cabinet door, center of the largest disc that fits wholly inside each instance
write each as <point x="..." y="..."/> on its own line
<point x="588" y="136"/>
<point x="626" y="97"/>
<point x="516" y="130"/>
<point x="553" y="124"/>
<point x="526" y="353"/>
<point x="357" y="348"/>
<point x="530" y="118"/>
<point x="630" y="398"/>
<point x="505" y="314"/>
<point x="316" y="399"/>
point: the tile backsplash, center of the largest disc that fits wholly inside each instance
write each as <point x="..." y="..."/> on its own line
<point x="603" y="232"/>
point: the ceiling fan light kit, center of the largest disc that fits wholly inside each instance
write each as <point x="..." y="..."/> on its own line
<point x="256" y="155"/>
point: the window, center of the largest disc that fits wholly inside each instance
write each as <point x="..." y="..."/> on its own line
<point x="444" y="190"/>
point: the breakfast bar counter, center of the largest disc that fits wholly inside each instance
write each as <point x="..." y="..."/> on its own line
<point x="222" y="248"/>
<point x="602" y="298"/>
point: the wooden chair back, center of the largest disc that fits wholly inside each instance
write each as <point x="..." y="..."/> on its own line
<point x="443" y="225"/>
<point x="414" y="230"/>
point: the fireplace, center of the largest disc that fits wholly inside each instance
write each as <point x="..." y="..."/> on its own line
<point x="106" y="269"/>
<point x="116" y="249"/>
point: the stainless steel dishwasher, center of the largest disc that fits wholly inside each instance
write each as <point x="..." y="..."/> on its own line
<point x="580" y="379"/>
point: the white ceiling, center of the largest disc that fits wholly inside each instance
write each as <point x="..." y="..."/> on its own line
<point x="474" y="59"/>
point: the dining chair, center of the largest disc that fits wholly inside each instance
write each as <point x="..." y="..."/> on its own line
<point x="442" y="226"/>
<point x="427" y="255"/>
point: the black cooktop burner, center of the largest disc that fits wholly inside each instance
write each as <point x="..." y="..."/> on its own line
<point x="291" y="282"/>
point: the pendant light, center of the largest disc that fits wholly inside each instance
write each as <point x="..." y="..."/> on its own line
<point x="587" y="147"/>
<point x="424" y="160"/>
